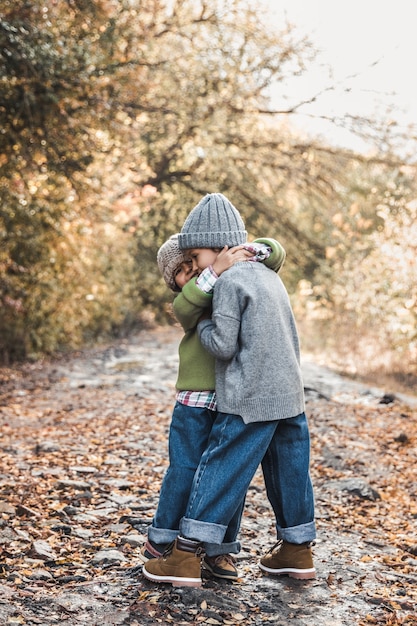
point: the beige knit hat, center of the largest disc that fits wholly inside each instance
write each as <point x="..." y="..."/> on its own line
<point x="169" y="258"/>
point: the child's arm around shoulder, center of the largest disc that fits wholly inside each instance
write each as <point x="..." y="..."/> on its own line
<point x="277" y="257"/>
<point x="190" y="304"/>
<point x="196" y="295"/>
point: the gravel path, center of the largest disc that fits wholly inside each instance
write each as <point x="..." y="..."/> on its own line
<point x="359" y="579"/>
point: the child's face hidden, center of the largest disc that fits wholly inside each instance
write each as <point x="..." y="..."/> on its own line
<point x="202" y="258"/>
<point x="184" y="273"/>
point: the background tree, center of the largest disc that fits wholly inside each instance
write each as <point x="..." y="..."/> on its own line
<point x="117" y="117"/>
<point x="361" y="307"/>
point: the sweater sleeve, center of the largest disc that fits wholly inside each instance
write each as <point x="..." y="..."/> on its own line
<point x="190" y="304"/>
<point x="277" y="257"/>
<point x="219" y="335"/>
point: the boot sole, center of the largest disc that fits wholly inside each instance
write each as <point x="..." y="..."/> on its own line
<point x="300" y="574"/>
<point x="173" y="580"/>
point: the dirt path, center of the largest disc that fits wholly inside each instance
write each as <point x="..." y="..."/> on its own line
<point x="82" y="453"/>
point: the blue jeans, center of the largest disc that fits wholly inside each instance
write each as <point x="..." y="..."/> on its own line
<point x="233" y="453"/>
<point x="188" y="438"/>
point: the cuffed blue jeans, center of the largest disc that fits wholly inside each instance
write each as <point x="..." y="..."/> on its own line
<point x="188" y="439"/>
<point x="228" y="464"/>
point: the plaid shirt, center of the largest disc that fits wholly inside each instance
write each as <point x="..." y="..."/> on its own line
<point x="202" y="399"/>
<point x="207" y="279"/>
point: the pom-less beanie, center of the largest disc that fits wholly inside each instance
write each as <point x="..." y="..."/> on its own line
<point x="169" y="258"/>
<point x="213" y="223"/>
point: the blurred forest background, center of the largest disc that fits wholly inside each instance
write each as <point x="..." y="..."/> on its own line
<point x="116" y="116"/>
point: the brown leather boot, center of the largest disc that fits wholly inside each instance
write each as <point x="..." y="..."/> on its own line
<point x="180" y="565"/>
<point x="222" y="566"/>
<point x="289" y="559"/>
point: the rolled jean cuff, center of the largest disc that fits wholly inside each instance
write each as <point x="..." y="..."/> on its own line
<point x="206" y="532"/>
<point x="214" y="549"/>
<point x="298" y="534"/>
<point x="162" y="536"/>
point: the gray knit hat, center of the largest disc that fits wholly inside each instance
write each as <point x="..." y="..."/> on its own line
<point x="213" y="223"/>
<point x="169" y="258"/>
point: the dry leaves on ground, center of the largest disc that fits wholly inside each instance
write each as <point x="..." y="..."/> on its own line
<point x="80" y="469"/>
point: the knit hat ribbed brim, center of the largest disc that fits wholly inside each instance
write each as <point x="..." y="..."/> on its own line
<point x="213" y="223"/>
<point x="169" y="258"/>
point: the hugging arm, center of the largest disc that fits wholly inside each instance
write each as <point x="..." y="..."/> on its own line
<point x="194" y="301"/>
<point x="190" y="304"/>
<point x="277" y="256"/>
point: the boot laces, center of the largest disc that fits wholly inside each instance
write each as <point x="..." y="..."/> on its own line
<point x="276" y="547"/>
<point x="222" y="558"/>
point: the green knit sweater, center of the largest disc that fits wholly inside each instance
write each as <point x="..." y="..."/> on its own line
<point x="196" y="365"/>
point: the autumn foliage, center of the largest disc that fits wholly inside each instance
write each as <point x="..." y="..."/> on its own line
<point x="117" y="116"/>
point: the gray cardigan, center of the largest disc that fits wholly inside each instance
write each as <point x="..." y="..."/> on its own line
<point x="252" y="334"/>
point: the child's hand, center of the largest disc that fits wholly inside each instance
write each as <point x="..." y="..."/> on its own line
<point x="228" y="257"/>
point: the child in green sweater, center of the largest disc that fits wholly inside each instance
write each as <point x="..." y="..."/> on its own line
<point x="195" y="408"/>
